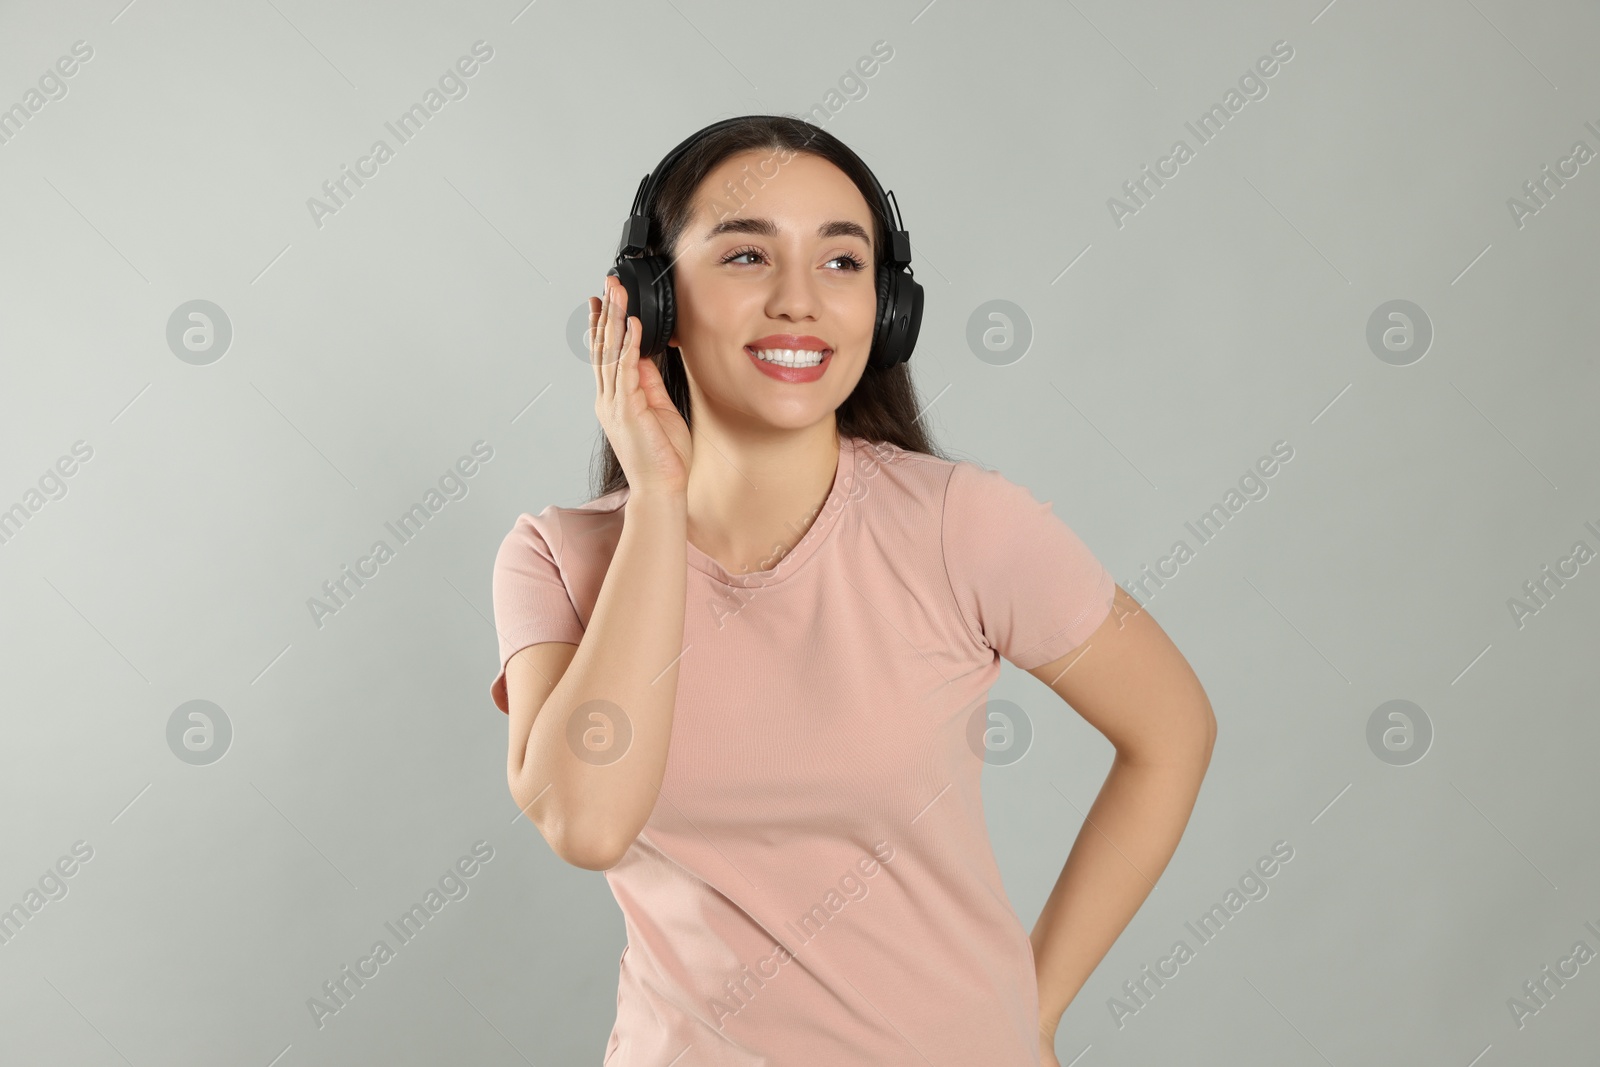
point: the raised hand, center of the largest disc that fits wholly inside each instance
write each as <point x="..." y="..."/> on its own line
<point x="647" y="433"/>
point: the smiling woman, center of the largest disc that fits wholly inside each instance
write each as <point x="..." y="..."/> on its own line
<point x="721" y="755"/>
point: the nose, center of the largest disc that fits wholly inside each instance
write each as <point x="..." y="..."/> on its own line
<point x="793" y="295"/>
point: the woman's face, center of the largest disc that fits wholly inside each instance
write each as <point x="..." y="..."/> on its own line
<point x="787" y="265"/>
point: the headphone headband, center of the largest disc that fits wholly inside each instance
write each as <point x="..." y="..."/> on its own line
<point x="636" y="231"/>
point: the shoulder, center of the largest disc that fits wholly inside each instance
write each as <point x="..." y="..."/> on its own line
<point x="880" y="465"/>
<point x="959" y="484"/>
<point x="565" y="534"/>
<point x="974" y="487"/>
<point x="958" y="492"/>
<point x="984" y="508"/>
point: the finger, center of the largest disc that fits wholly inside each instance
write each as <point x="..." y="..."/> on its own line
<point x="608" y="367"/>
<point x="607" y="341"/>
<point x="628" y="365"/>
<point x="651" y="384"/>
<point x="591" y="337"/>
<point x="625" y="327"/>
<point x="616" y="322"/>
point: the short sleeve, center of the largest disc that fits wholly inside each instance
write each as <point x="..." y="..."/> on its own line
<point x="531" y="601"/>
<point x="1025" y="583"/>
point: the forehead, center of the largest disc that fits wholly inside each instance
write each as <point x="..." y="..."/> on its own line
<point x="801" y="194"/>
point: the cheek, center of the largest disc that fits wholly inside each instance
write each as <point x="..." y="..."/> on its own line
<point x="862" y="311"/>
<point x="705" y="302"/>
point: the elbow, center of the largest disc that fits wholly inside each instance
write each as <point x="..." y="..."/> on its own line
<point x="590" y="855"/>
<point x="573" y="844"/>
<point x="1184" y="740"/>
<point x="1207" y="739"/>
<point x="583" y="848"/>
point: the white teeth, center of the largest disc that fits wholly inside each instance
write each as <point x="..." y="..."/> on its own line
<point x="789" y="357"/>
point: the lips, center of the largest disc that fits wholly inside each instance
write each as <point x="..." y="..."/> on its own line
<point x="786" y="373"/>
<point x="794" y="342"/>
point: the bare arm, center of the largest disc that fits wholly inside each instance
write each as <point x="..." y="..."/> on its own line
<point x="590" y="789"/>
<point x="589" y="727"/>
<point x="1133" y="685"/>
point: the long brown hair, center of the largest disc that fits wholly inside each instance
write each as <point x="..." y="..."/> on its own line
<point x="883" y="406"/>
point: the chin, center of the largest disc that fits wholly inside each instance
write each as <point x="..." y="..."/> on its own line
<point x="791" y="419"/>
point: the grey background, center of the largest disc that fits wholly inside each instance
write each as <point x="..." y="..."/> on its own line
<point x="1168" y="355"/>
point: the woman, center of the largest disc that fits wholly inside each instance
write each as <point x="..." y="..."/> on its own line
<point x="745" y="681"/>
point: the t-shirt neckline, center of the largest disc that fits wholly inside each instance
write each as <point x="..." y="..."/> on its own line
<point x="808" y="544"/>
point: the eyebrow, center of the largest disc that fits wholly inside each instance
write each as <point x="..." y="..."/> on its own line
<point x="768" y="228"/>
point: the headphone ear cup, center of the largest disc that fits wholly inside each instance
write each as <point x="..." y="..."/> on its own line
<point x="667" y="308"/>
<point x="881" y="355"/>
<point x="899" y="318"/>
<point x="906" y="318"/>
<point x="648" y="281"/>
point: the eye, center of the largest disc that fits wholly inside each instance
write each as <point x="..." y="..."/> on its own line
<point x="855" y="261"/>
<point x="741" y="253"/>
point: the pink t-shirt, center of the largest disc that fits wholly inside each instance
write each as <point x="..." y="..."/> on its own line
<point x="815" y="884"/>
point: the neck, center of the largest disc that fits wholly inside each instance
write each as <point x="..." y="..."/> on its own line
<point x="752" y="497"/>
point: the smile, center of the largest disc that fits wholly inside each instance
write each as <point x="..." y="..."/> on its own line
<point x="789" y="357"/>
<point x="790" y="364"/>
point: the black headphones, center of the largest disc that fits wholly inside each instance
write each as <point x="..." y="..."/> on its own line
<point x="648" y="278"/>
